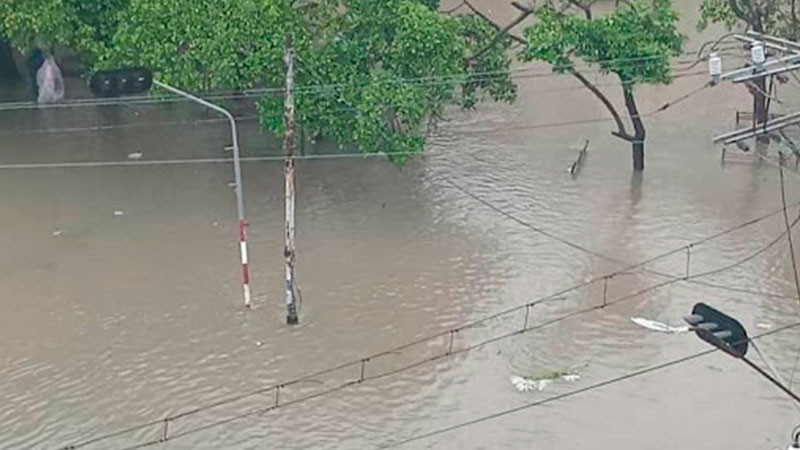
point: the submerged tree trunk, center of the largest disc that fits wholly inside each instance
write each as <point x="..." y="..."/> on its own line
<point x="639" y="135"/>
<point x="638" y="156"/>
<point x="288" y="146"/>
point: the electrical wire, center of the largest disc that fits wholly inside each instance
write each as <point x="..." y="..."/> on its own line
<point x="280" y="114"/>
<point x="629" y="266"/>
<point x="437" y="336"/>
<point x="659" y="110"/>
<point x="573" y="393"/>
<point x="317" y="89"/>
<point x="788" y="232"/>
<point x="605" y="304"/>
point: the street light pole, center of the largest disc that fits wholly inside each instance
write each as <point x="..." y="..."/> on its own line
<point x="237" y="173"/>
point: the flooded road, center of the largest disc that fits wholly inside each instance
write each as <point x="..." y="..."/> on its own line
<point x="121" y="300"/>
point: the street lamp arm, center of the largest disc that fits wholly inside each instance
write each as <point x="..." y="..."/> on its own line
<point x="237" y="173"/>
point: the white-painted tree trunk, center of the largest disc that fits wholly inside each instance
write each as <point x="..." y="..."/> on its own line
<point x="288" y="146"/>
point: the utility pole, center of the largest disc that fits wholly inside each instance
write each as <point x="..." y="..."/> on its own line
<point x="787" y="58"/>
<point x="288" y="147"/>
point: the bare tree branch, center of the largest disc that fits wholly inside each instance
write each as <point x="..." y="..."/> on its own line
<point x="739" y="11"/>
<point x="587" y="9"/>
<point x="501" y="33"/>
<point x="621" y="132"/>
<point x="521" y="7"/>
<point x="455" y="8"/>
<point x="492" y="23"/>
<point x="525" y="11"/>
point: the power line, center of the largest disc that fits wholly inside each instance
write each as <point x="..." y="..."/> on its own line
<point x="448" y="334"/>
<point x="576" y="392"/>
<point x="591" y="252"/>
<point x="362" y="362"/>
<point x="789" y="233"/>
<point x="321" y="88"/>
<point x="279" y="114"/>
<point x="341" y="155"/>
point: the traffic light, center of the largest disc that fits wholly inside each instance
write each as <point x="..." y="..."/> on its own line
<point x="718" y="329"/>
<point x="117" y="82"/>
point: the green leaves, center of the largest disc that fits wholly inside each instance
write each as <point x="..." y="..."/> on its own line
<point x="82" y="25"/>
<point x="716" y="11"/>
<point x="487" y="64"/>
<point x="369" y="74"/>
<point x="203" y="44"/>
<point x="379" y="71"/>
<point x="772" y="16"/>
<point x="635" y="41"/>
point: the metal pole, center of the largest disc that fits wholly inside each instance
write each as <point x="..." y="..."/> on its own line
<point x="237" y="173"/>
<point x="771" y="368"/>
<point x="771" y="379"/>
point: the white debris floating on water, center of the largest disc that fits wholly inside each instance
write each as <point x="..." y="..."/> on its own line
<point x="541" y="381"/>
<point x="659" y="326"/>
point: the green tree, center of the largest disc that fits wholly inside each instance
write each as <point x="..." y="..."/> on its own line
<point x="371" y="75"/>
<point x="634" y="42"/>
<point x="83" y="25"/>
<point x="203" y="44"/>
<point x="775" y="17"/>
<point x="381" y="71"/>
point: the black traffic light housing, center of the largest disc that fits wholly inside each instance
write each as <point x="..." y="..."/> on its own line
<point x="117" y="82"/>
<point x="719" y="330"/>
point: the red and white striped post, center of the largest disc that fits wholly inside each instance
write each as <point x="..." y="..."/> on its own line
<point x="245" y="267"/>
<point x="237" y="173"/>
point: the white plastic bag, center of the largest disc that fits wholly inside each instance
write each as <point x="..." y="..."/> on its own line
<point x="50" y="82"/>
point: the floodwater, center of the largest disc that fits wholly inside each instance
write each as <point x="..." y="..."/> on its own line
<point x="121" y="301"/>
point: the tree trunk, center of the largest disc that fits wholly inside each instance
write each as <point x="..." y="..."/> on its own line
<point x="638" y="127"/>
<point x="288" y="146"/>
<point x="638" y="155"/>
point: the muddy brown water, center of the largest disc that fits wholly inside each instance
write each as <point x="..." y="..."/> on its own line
<point x="108" y="321"/>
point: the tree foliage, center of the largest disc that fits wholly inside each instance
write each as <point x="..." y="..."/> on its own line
<point x="203" y="44"/>
<point x="487" y="64"/>
<point x="777" y="17"/>
<point x="635" y="42"/>
<point x="83" y="25"/>
<point x="370" y="74"/>
<point x="378" y="72"/>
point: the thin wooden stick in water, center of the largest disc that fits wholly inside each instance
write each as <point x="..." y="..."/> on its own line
<point x="576" y="166"/>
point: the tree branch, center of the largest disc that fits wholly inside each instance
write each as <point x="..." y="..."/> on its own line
<point x="521" y="7"/>
<point x="739" y="12"/>
<point x="454" y="9"/>
<point x="621" y="132"/>
<point x="501" y="34"/>
<point x="587" y="9"/>
<point x="492" y="23"/>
